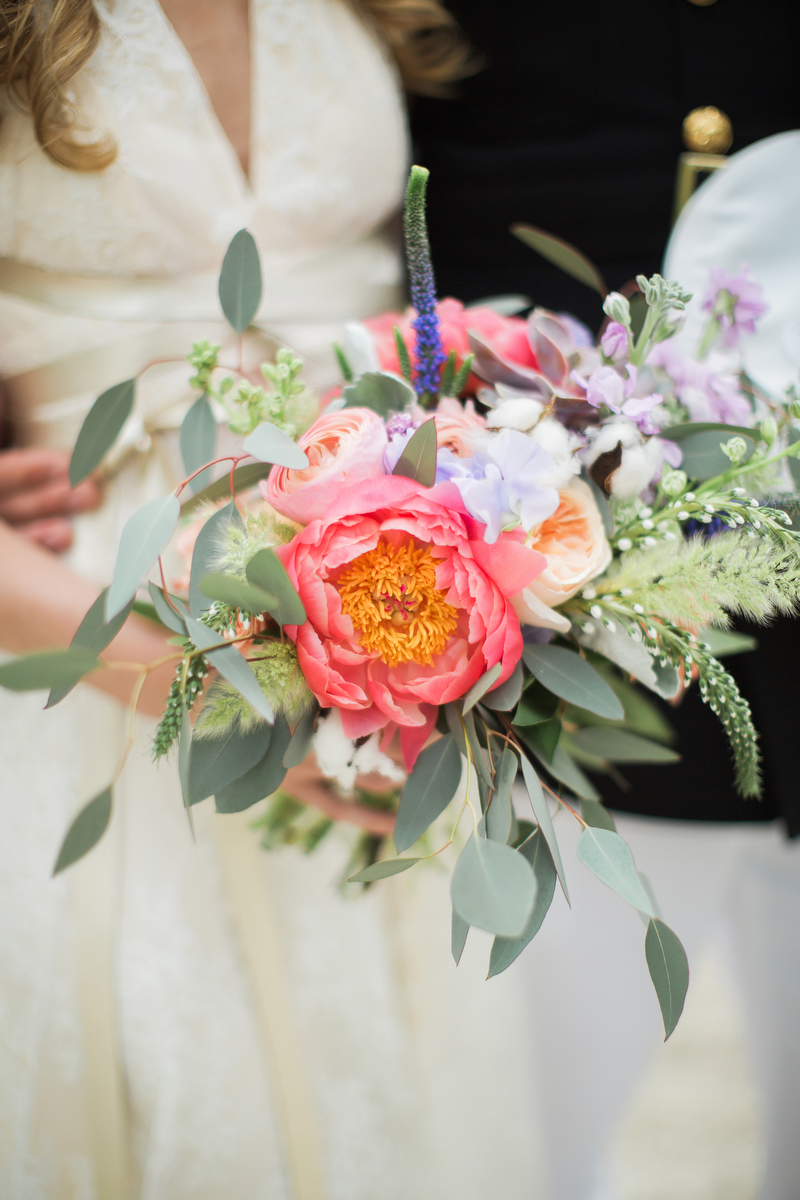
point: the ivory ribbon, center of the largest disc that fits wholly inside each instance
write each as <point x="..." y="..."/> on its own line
<point x="245" y="866"/>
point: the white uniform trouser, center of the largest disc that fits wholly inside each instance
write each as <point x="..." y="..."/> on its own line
<point x="596" y="1017"/>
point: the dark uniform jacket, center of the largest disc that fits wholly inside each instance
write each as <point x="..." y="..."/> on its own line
<point x="574" y="125"/>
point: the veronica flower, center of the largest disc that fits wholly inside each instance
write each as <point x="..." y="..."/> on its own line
<point x="429" y="355"/>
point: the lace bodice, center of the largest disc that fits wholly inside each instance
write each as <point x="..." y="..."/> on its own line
<point x="328" y="156"/>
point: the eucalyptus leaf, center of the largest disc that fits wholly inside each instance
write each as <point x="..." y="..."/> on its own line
<point x="506" y="305"/>
<point x="167" y="615"/>
<point x="262" y="779"/>
<point x="601" y="500"/>
<point x="418" y="460"/>
<point x="597" y="815"/>
<point x="240" y="284"/>
<point x="302" y="739"/>
<point x="605" y="853"/>
<point x="458" y="936"/>
<point x="702" y="457"/>
<point x="265" y="570"/>
<point x="506" y="696"/>
<point x="617" y="745"/>
<point x="677" y="433"/>
<point x="217" y="761"/>
<point x="93" y="633"/>
<point x="500" y="813"/>
<point x="545" y="737"/>
<point x="428" y="790"/>
<point x="791" y="462"/>
<point x="669" y="971"/>
<point x="272" y="445"/>
<point x="244" y="478"/>
<point x="185" y="754"/>
<point x="562" y="255"/>
<point x="483" y="685"/>
<point x="383" y="870"/>
<point x="722" y="642"/>
<point x="453" y="718"/>
<point x="85" y="831"/>
<point x="100" y="429"/>
<point x="238" y="594"/>
<point x="198" y="442"/>
<point x="572" y="678"/>
<point x="48" y="669"/>
<point x="381" y="392"/>
<point x="566" y="771"/>
<point x="648" y="887"/>
<point x="493" y="887"/>
<point x="536" y="704"/>
<point x="505" y="950"/>
<point x="144" y="539"/>
<point x="210" y="540"/>
<point x="231" y="666"/>
<point x="479" y="755"/>
<point x="545" y="821"/>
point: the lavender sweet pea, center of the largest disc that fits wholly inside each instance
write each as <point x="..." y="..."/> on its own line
<point x="499" y="484"/>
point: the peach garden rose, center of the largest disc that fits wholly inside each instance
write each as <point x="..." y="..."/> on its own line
<point x="574" y="543"/>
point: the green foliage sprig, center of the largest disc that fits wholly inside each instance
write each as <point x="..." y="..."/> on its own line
<point x="699" y="582"/>
<point x="280" y="678"/>
<point x="671" y="643"/>
<point x="185" y="689"/>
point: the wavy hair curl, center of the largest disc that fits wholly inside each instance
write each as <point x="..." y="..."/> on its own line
<point x="45" y="43"/>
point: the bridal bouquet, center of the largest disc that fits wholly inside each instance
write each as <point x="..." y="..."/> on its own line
<point x="473" y="553"/>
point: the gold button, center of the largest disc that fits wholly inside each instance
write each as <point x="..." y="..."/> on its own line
<point x="702" y="3"/>
<point x="707" y="130"/>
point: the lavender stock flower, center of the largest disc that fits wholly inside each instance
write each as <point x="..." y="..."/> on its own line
<point x="428" y="353"/>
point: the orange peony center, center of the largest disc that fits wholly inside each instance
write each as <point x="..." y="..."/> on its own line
<point x="391" y="597"/>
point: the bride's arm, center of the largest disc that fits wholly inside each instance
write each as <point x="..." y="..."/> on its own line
<point x="42" y="603"/>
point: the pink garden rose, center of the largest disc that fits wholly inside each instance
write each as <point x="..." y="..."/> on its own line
<point x="341" y="447"/>
<point x="458" y="427"/>
<point x="507" y="336"/>
<point x="407" y="605"/>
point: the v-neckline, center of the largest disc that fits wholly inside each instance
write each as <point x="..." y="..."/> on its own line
<point x="246" y="177"/>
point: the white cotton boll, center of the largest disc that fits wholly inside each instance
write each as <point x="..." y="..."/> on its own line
<point x="369" y="758"/>
<point x="561" y="445"/>
<point x="639" y="465"/>
<point x="335" y="751"/>
<point x="359" y="349"/>
<point x="641" y="458"/>
<point x="520" y="414"/>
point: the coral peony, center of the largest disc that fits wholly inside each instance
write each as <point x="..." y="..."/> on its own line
<point x="341" y="447"/>
<point x="407" y="605"/>
<point x="507" y="336"/>
<point x="574" y="543"/>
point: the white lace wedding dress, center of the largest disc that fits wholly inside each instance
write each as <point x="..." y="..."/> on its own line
<point x="207" y="1020"/>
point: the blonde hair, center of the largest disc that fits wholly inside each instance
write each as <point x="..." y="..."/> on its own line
<point x="44" y="43"/>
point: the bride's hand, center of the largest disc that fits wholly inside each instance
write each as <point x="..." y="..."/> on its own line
<point x="42" y="603"/>
<point x="36" y="497"/>
<point x="307" y="783"/>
